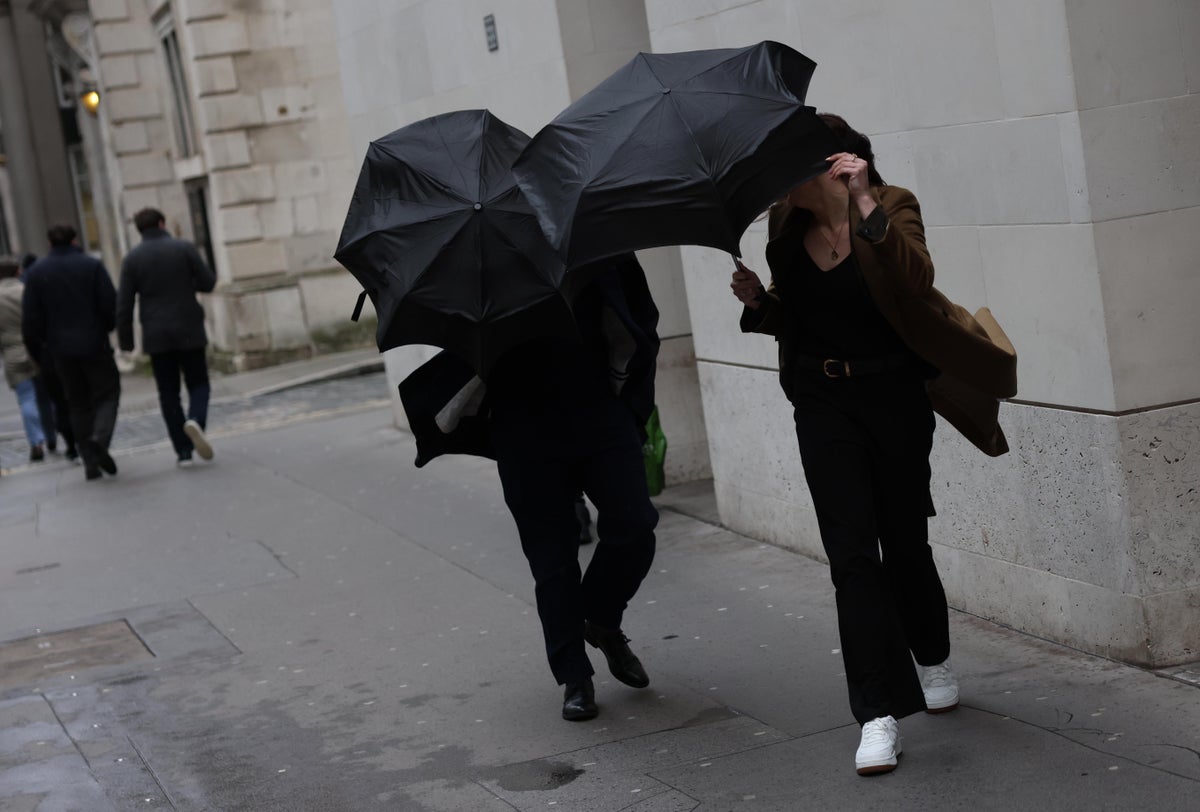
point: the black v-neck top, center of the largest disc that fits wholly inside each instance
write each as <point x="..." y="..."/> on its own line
<point x="831" y="313"/>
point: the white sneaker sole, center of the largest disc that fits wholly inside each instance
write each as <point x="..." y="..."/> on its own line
<point x="196" y="434"/>
<point x="878" y="766"/>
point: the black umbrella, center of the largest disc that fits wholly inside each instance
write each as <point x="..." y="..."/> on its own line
<point x="446" y="245"/>
<point x="683" y="148"/>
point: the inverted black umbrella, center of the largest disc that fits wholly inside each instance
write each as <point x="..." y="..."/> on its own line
<point x="446" y="245"/>
<point x="683" y="148"/>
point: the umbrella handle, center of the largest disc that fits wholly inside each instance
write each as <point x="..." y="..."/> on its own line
<point x="358" y="306"/>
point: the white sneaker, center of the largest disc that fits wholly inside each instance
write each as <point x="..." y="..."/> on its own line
<point x="940" y="687"/>
<point x="196" y="434"/>
<point x="879" y="747"/>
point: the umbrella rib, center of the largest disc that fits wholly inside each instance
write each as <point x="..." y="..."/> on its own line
<point x="455" y="166"/>
<point x="424" y="271"/>
<point x="359" y="240"/>
<point x="414" y="168"/>
<point x="708" y="174"/>
<point x="733" y="55"/>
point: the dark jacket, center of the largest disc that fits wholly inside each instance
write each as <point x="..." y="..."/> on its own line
<point x="69" y="306"/>
<point x="166" y="274"/>
<point x="448" y="405"/>
<point x="976" y="362"/>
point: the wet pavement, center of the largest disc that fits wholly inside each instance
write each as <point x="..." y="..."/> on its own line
<point x="143" y="427"/>
<point x="334" y="629"/>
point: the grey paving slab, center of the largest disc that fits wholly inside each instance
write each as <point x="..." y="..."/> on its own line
<point x="973" y="760"/>
<point x="40" y="767"/>
<point x="394" y="661"/>
<point x="620" y="775"/>
<point x="240" y="402"/>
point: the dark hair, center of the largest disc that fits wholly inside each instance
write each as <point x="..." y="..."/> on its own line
<point x="61" y="235"/>
<point x="9" y="266"/>
<point x="854" y="142"/>
<point x="147" y="219"/>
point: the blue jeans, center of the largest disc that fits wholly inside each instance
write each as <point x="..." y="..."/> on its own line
<point x="27" y="400"/>
<point x="167" y="368"/>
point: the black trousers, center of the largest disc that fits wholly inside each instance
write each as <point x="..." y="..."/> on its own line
<point x="865" y="446"/>
<point x="92" y="386"/>
<point x="52" y="405"/>
<point x="544" y="461"/>
<point x="167" y="368"/>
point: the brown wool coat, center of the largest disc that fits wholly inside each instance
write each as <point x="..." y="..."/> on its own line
<point x="976" y="360"/>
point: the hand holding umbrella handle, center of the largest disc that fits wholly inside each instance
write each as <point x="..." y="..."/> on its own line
<point x="746" y="285"/>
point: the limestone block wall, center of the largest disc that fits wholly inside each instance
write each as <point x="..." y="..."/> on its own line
<point x="1054" y="149"/>
<point x="272" y="148"/>
<point x="134" y="99"/>
<point x="435" y="57"/>
<point x="277" y="150"/>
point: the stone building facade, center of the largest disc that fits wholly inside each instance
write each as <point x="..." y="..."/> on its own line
<point x="1054" y="148"/>
<point x="227" y="115"/>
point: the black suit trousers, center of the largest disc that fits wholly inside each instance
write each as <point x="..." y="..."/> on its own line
<point x="92" y="386"/>
<point x="544" y="460"/>
<point x="865" y="446"/>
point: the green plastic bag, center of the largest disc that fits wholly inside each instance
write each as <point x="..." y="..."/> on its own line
<point x="654" y="452"/>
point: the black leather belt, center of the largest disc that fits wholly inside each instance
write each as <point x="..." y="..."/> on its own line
<point x="842" y="368"/>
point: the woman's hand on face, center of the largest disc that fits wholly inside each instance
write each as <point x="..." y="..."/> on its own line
<point x="851" y="170"/>
<point x="746" y="286"/>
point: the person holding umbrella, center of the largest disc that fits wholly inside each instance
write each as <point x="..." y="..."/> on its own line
<point x="567" y="417"/>
<point x="564" y="417"/>
<point x="451" y="254"/>
<point x="853" y="307"/>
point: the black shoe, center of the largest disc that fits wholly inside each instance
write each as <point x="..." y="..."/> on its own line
<point x="622" y="662"/>
<point x="91" y="472"/>
<point x="71" y="454"/>
<point x="37" y="453"/>
<point x="105" y="461"/>
<point x="579" y="701"/>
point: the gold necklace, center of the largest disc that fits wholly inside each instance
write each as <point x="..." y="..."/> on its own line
<point x="833" y="254"/>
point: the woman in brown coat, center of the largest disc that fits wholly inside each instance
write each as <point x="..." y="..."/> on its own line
<point x="844" y="248"/>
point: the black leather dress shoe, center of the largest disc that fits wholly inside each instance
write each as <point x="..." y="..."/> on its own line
<point x="579" y="701"/>
<point x="622" y="662"/>
<point x="106" y="462"/>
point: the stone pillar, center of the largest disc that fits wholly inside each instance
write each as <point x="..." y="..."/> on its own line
<point x="18" y="140"/>
<point x="1053" y="147"/>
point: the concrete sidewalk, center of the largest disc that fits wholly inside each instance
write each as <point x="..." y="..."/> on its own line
<point x="314" y="624"/>
<point x="139" y="398"/>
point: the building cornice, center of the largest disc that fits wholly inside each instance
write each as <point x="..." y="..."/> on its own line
<point x="53" y="10"/>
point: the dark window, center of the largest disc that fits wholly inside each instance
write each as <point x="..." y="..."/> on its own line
<point x="197" y="198"/>
<point x="185" y="134"/>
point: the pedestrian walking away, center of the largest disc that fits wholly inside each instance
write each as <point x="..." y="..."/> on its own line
<point x="564" y="418"/>
<point x="163" y="275"/>
<point x="845" y="252"/>
<point x="69" y="308"/>
<point x="51" y="402"/>
<point x="19" y="369"/>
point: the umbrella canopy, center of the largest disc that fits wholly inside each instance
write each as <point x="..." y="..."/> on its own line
<point x="446" y="245"/>
<point x="683" y="148"/>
